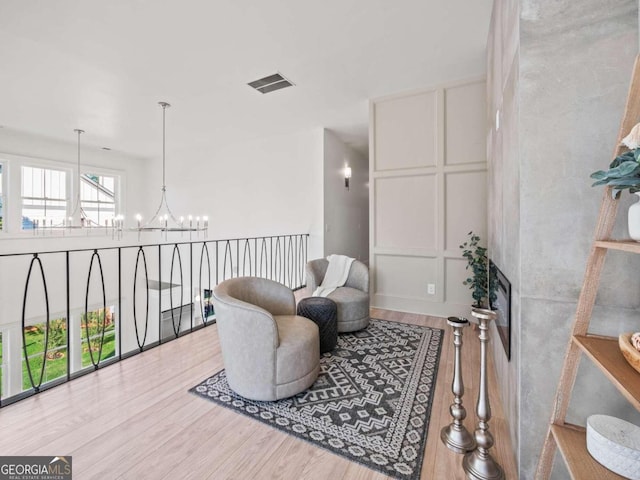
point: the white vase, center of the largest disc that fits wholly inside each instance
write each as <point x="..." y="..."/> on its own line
<point x="634" y="220"/>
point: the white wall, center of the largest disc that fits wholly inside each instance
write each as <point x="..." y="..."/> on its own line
<point x="268" y="186"/>
<point x="346" y="212"/>
<point x="428" y="190"/>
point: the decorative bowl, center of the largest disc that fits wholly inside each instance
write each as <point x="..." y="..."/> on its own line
<point x="631" y="355"/>
<point x="615" y="444"/>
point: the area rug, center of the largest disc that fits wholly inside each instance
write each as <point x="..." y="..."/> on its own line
<point x="371" y="402"/>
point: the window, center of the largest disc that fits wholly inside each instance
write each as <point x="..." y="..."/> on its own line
<point x="93" y="322"/>
<point x="44" y="197"/>
<point x="56" y="359"/>
<point x="97" y="195"/>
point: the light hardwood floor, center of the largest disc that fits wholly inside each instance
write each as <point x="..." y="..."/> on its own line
<point x="136" y="420"/>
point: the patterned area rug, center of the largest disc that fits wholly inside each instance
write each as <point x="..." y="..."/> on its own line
<point x="371" y="402"/>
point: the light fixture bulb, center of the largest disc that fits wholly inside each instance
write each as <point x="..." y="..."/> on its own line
<point x="347" y="176"/>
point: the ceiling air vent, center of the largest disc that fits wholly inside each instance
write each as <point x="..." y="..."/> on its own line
<point x="271" y="83"/>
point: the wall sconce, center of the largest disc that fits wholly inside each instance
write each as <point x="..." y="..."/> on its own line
<point x="347" y="176"/>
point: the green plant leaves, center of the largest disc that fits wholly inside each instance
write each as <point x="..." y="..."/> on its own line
<point x="623" y="174"/>
<point x="476" y="256"/>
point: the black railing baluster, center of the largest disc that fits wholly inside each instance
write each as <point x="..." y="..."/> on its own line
<point x="302" y="261"/>
<point x="135" y="284"/>
<point x="193" y="300"/>
<point x="173" y="320"/>
<point x="247" y="248"/>
<point x="255" y="256"/>
<point x="200" y="290"/>
<point x="160" y="294"/>
<point x="264" y="259"/>
<point x="228" y="253"/>
<point x="278" y="260"/>
<point x="217" y="265"/>
<point x="86" y="310"/>
<point x="290" y="261"/>
<point x="68" y="319"/>
<point x="120" y="304"/>
<point x="37" y="260"/>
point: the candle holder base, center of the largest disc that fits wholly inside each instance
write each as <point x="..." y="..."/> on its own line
<point x="457" y="439"/>
<point x="481" y="466"/>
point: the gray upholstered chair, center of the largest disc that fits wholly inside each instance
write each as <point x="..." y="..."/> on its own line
<point x="352" y="299"/>
<point x="268" y="352"/>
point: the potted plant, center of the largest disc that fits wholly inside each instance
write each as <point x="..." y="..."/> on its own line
<point x="483" y="281"/>
<point x="624" y="174"/>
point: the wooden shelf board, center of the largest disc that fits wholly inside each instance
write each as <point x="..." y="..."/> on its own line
<point x="572" y="442"/>
<point x="624" y="245"/>
<point x="605" y="353"/>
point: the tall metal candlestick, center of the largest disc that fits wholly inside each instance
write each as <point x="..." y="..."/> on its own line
<point x="455" y="436"/>
<point x="479" y="464"/>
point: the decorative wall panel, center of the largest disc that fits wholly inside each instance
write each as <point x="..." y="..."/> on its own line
<point x="406" y="194"/>
<point x="406" y="132"/>
<point x="465" y="134"/>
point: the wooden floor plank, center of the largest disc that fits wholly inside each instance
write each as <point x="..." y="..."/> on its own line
<point x="136" y="420"/>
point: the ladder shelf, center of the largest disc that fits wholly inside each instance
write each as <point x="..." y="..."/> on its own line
<point x="602" y="351"/>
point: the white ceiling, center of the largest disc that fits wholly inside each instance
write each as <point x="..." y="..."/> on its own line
<point x="103" y="65"/>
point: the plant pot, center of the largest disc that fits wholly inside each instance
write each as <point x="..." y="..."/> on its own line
<point x="634" y="220"/>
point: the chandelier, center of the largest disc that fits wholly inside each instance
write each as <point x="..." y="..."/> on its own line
<point x="163" y="219"/>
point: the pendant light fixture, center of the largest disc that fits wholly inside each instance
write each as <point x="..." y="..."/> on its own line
<point x="77" y="205"/>
<point x="163" y="218"/>
<point x="78" y="213"/>
<point x="77" y="218"/>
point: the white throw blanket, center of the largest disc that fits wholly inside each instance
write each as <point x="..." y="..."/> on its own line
<point x="336" y="276"/>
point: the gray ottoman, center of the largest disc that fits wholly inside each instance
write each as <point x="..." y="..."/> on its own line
<point x="324" y="313"/>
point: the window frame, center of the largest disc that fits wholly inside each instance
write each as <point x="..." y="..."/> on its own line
<point x="12" y="190"/>
<point x="117" y="187"/>
<point x="45" y="166"/>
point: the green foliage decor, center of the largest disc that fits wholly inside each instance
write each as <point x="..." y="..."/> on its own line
<point x="482" y="285"/>
<point x="623" y="174"/>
